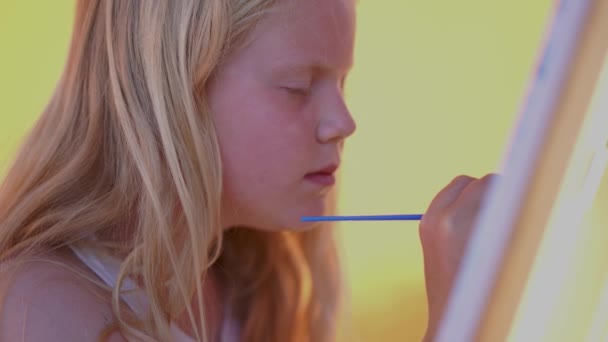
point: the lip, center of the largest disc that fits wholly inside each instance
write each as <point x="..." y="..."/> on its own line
<point x="330" y="169"/>
<point x="324" y="176"/>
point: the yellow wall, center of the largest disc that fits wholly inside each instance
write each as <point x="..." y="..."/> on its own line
<point x="435" y="90"/>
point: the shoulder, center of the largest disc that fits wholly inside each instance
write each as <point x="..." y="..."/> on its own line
<point x="45" y="299"/>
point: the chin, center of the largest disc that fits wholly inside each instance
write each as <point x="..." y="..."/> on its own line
<point x="292" y="223"/>
<point x="293" y="226"/>
<point x="305" y="226"/>
<point x="284" y="219"/>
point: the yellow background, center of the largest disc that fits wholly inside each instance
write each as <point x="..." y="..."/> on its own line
<point x="435" y="90"/>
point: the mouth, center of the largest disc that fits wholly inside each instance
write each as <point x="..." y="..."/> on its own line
<point x="324" y="177"/>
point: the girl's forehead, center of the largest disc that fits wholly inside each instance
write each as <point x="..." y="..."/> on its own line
<point x="319" y="30"/>
<point x="341" y="12"/>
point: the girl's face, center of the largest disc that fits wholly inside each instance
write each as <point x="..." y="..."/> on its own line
<point x="280" y="114"/>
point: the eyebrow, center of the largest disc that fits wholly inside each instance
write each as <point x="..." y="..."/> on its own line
<point x="315" y="65"/>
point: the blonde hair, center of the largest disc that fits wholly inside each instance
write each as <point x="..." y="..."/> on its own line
<point x="126" y="152"/>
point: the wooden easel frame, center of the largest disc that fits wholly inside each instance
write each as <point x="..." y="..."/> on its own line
<point x="495" y="268"/>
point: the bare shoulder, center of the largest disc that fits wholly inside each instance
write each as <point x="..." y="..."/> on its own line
<point x="44" y="299"/>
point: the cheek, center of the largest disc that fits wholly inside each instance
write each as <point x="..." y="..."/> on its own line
<point x="262" y="140"/>
<point x="261" y="119"/>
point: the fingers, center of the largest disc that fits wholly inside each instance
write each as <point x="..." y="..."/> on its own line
<point x="454" y="208"/>
<point x="461" y="213"/>
<point x="444" y="198"/>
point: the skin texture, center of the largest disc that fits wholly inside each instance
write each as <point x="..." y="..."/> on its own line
<point x="47" y="302"/>
<point x="280" y="113"/>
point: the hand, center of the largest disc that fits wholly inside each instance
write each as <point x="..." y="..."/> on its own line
<point x="444" y="232"/>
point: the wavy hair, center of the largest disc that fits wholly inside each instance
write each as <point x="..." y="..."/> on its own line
<point x="126" y="152"/>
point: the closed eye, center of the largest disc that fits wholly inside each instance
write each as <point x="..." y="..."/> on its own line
<point x="298" y="91"/>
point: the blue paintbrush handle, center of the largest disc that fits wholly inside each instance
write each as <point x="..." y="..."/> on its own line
<point x="363" y="218"/>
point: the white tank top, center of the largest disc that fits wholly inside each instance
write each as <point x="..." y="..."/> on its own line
<point x="106" y="267"/>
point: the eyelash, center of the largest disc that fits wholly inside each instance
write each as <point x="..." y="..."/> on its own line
<point x="298" y="91"/>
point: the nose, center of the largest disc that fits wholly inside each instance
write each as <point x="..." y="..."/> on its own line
<point x="336" y="124"/>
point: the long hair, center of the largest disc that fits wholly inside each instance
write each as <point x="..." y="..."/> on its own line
<point x="126" y="152"/>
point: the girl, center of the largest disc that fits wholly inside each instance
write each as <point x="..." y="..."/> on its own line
<point x="159" y="196"/>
